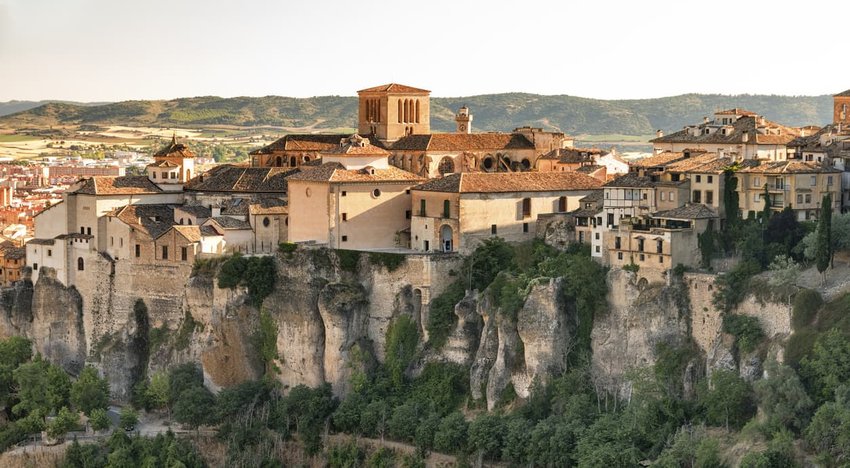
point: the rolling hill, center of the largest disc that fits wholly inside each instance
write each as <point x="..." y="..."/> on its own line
<point x="494" y="112"/>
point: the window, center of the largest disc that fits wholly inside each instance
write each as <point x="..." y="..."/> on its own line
<point x="671" y="198"/>
<point x="407" y="192"/>
<point x="699" y="178"/>
<point x="407" y="214"/>
<point x="184" y="253"/>
<point x="165" y="252"/>
<point x="266" y="221"/>
<point x="663" y="197"/>
<point x="659" y="246"/>
<point x="35" y="266"/>
<point x="376" y="193"/>
<point x="619" y="255"/>
<point x="49" y="252"/>
<point x="644" y="196"/>
<point x="153" y="175"/>
<point x="610" y="219"/>
<point x="524" y="227"/>
<point x="597" y="236"/>
<point x="138" y="250"/>
<point x="640" y="246"/>
<point x="526" y="207"/>
<point x="82" y="230"/>
<point x="597" y="249"/>
<point x="697" y="197"/>
<point x="111" y="241"/>
<point x="447" y="211"/>
<point x="756" y="197"/>
<point x="562" y="204"/>
<point x="756" y="181"/>
<point x="344" y="193"/>
<point x="345" y="216"/>
<point x="81" y="265"/>
<point x="88" y="231"/>
<point x="173" y="175"/>
<point x="808" y="198"/>
<point x="493" y="229"/>
<point x="799" y="198"/>
<point x="710" y="179"/>
<point x="642" y="257"/>
<point x="120" y="242"/>
<point x="617" y="243"/>
<point x="660" y="259"/>
<point x="422" y="207"/>
<point x="709" y="197"/>
<point x="345" y="238"/>
<point x="829" y="180"/>
<point x="814" y="181"/>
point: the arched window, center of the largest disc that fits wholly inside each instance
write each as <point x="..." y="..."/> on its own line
<point x="266" y="222"/>
<point x="447" y="209"/>
<point x="293" y="161"/>
<point x="399" y="111"/>
<point x="417" y="111"/>
<point x="279" y="161"/>
<point x="562" y="204"/>
<point x="406" y="111"/>
<point x="80" y="264"/>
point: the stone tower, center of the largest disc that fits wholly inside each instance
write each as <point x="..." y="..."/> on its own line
<point x="393" y="111"/>
<point x="842" y="108"/>
<point x="464" y="120"/>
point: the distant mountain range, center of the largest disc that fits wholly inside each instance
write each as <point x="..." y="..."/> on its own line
<point x="493" y="112"/>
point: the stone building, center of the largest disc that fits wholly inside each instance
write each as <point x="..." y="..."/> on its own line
<point x="456" y="212"/>
<point x="12" y="263"/>
<point x="736" y="133"/>
<point x="353" y="200"/>
<point x="798" y="184"/>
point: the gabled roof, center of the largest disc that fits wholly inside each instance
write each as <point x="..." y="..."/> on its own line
<point x="757" y="129"/>
<point x="117" y="185"/>
<point x="393" y="88"/>
<point x="14" y="253"/>
<point x="789" y="167"/>
<point x="843" y="94"/>
<point x="296" y="142"/>
<point x="198" y="211"/>
<point x="163" y="163"/>
<point x="463" y="142"/>
<point x="228" y="223"/>
<point x="356" y="145"/>
<point x="594" y="196"/>
<point x="630" y="180"/>
<point x="153" y="220"/>
<point x="229" y="178"/>
<point x="190" y="233"/>
<point x="174" y="150"/>
<point x="336" y="172"/>
<point x="687" y="211"/>
<point x="510" y="182"/>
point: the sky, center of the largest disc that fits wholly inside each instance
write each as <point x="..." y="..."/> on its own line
<point x="112" y="50"/>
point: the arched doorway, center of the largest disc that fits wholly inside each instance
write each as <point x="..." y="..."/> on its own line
<point x="446" y="244"/>
<point x="447" y="166"/>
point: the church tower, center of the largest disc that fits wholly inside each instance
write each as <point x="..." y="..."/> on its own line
<point x="393" y="111"/>
<point x="464" y="120"/>
<point x="842" y="108"/>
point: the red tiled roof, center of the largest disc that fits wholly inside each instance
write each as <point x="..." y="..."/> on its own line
<point x="507" y="182"/>
<point x="301" y="142"/>
<point x="117" y="185"/>
<point x="463" y="142"/>
<point x="786" y="167"/>
<point x="174" y="150"/>
<point x="336" y="172"/>
<point x="752" y="126"/>
<point x="229" y="178"/>
<point x="843" y="94"/>
<point x="393" y="88"/>
<point x="355" y="145"/>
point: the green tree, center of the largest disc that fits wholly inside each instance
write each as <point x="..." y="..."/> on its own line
<point x="403" y="422"/>
<point x="14" y="351"/>
<point x="828" y="435"/>
<point x="486" y="433"/>
<point x="195" y="407"/>
<point x="766" y="212"/>
<point x="779" y="454"/>
<point x="607" y="442"/>
<point x="783" y="399"/>
<point x="517" y="439"/>
<point x="707" y="247"/>
<point x="400" y="347"/>
<point x="42" y="387"/>
<point x="183" y="377"/>
<point x="746" y="330"/>
<point x="99" y="420"/>
<point x="727" y="401"/>
<point x="65" y="421"/>
<point x="156" y="393"/>
<point x="128" y="418"/>
<point x="823" y="246"/>
<point x="828" y="366"/>
<point x="90" y="391"/>
<point x="451" y="437"/>
<point x="266" y="341"/>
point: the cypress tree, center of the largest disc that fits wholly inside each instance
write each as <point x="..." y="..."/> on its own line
<point x="765" y="212"/>
<point x="823" y="241"/>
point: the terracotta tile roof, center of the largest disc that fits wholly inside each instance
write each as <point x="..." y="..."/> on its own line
<point x="594" y="196"/>
<point x="302" y="142"/>
<point x="336" y="172"/>
<point x="736" y="111"/>
<point x="269" y="206"/>
<point x="356" y="145"/>
<point x="589" y="169"/>
<point x="789" y="167"/>
<point x="584" y="213"/>
<point x="234" y="207"/>
<point x="198" y="211"/>
<point x="463" y="142"/>
<point x="228" y="223"/>
<point x="191" y="233"/>
<point x="163" y="163"/>
<point x="510" y="182"/>
<point x="208" y="230"/>
<point x="117" y="185"/>
<point x="573" y="155"/>
<point x="687" y="211"/>
<point x="660" y="159"/>
<point x="229" y="178"/>
<point x="14" y="253"/>
<point x="393" y="88"/>
<point x="630" y="180"/>
<point x="843" y="94"/>
<point x="153" y="220"/>
<point x="174" y="150"/>
<point x="704" y="163"/>
<point x="754" y="127"/>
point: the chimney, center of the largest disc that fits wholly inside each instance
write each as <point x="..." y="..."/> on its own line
<point x="659" y="133"/>
<point x="705" y="120"/>
<point x="746" y="136"/>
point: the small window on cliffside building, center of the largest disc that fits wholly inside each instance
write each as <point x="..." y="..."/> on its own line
<point x="80" y="264"/>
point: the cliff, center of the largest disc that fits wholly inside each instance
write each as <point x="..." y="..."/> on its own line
<point x="332" y="315"/>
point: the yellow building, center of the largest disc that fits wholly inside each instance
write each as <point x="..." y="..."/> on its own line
<point x="458" y="211"/>
<point x="354" y="200"/>
<point x="12" y="262"/>
<point x="798" y="184"/>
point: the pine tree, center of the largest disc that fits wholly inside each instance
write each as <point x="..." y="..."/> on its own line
<point x="823" y="241"/>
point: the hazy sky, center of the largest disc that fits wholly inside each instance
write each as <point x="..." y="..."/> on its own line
<point x="107" y="50"/>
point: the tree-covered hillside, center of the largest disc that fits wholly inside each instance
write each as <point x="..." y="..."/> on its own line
<point x="495" y="112"/>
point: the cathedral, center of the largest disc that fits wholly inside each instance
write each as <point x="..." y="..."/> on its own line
<point x="397" y="118"/>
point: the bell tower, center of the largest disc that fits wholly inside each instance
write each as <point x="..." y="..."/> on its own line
<point x="393" y="111"/>
<point x="464" y="120"/>
<point x="842" y="108"/>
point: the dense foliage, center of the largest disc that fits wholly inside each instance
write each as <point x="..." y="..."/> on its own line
<point x="257" y="273"/>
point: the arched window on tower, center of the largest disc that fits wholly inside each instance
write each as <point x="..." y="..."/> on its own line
<point x="406" y="111"/>
<point x="417" y="111"/>
<point x="399" y="111"/>
<point x="81" y="265"/>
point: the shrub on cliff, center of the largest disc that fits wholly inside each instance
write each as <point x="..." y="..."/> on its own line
<point x="746" y="330"/>
<point x="257" y="273"/>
